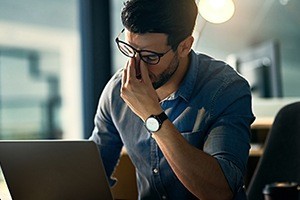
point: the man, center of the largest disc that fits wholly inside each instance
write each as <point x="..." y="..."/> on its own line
<point x="184" y="118"/>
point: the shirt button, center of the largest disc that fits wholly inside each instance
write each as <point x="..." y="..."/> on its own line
<point x="155" y="170"/>
<point x="164" y="197"/>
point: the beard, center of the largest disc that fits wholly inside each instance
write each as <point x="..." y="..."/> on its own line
<point x="166" y="75"/>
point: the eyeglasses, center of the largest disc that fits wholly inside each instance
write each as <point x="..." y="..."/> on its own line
<point x="149" y="57"/>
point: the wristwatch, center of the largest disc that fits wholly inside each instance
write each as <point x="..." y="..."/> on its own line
<point x="154" y="122"/>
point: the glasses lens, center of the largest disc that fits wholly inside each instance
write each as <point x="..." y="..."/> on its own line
<point x="126" y="49"/>
<point x="149" y="57"/>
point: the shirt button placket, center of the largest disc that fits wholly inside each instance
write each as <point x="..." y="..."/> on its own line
<point x="155" y="170"/>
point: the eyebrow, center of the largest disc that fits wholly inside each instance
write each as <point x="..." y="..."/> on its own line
<point x="144" y="48"/>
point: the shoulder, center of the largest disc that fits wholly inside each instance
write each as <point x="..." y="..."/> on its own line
<point x="110" y="96"/>
<point x="214" y="69"/>
<point x="216" y="74"/>
<point x="114" y="84"/>
<point x="218" y="84"/>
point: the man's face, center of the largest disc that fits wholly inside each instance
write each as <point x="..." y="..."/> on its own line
<point x="161" y="72"/>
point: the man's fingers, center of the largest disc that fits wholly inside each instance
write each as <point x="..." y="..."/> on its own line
<point x="131" y="69"/>
<point x="124" y="74"/>
<point x="145" y="74"/>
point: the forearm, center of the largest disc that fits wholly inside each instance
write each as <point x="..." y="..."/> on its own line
<point x="199" y="172"/>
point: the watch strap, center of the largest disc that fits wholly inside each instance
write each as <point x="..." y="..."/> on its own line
<point x="162" y="117"/>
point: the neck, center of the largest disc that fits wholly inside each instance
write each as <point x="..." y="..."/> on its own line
<point x="173" y="84"/>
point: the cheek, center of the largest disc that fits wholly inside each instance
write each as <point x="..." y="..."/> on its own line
<point x="157" y="69"/>
<point x="154" y="73"/>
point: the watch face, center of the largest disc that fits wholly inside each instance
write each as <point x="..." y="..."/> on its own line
<point x="152" y="124"/>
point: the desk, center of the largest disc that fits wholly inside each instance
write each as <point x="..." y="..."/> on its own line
<point x="126" y="186"/>
<point x="263" y="123"/>
<point x="260" y="129"/>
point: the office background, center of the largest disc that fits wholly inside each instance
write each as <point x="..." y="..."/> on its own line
<point x="56" y="55"/>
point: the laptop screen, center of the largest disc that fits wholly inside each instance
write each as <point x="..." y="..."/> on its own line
<point x="53" y="169"/>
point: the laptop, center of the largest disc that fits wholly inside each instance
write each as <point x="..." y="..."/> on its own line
<point x="54" y="170"/>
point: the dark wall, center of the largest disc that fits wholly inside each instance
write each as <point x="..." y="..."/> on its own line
<point x="96" y="55"/>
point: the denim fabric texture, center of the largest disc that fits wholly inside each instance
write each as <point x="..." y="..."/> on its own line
<point x="211" y="109"/>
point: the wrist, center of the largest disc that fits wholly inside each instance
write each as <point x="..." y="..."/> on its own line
<point x="154" y="122"/>
<point x="155" y="111"/>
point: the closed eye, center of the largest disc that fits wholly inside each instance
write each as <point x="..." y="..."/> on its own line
<point x="150" y="58"/>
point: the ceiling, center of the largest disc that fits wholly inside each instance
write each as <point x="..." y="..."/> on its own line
<point x="255" y="21"/>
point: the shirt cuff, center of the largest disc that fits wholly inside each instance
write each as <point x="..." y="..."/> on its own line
<point x="232" y="174"/>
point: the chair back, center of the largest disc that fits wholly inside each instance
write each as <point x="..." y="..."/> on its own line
<point x="280" y="161"/>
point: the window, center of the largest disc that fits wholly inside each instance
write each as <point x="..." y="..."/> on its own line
<point x="30" y="100"/>
<point x="40" y="73"/>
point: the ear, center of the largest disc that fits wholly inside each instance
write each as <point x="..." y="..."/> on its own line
<point x="185" y="46"/>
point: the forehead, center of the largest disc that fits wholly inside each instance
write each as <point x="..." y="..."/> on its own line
<point x="146" y="40"/>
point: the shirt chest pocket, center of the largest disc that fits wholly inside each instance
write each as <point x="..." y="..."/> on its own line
<point x="190" y="123"/>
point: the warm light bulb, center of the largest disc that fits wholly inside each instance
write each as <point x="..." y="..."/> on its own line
<point x="216" y="11"/>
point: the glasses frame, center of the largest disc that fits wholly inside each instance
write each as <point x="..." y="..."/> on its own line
<point x="136" y="51"/>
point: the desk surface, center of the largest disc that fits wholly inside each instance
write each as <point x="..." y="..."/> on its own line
<point x="256" y="150"/>
<point x="262" y="123"/>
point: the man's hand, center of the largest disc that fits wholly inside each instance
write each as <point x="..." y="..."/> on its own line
<point x="138" y="92"/>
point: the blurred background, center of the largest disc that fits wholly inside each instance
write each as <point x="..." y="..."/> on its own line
<point x="57" y="55"/>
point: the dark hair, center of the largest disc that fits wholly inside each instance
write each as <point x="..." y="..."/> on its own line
<point x="175" y="18"/>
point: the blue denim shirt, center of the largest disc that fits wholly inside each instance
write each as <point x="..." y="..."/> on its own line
<point x="211" y="109"/>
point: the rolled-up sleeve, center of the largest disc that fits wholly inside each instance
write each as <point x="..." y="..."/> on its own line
<point x="229" y="136"/>
<point x="230" y="147"/>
